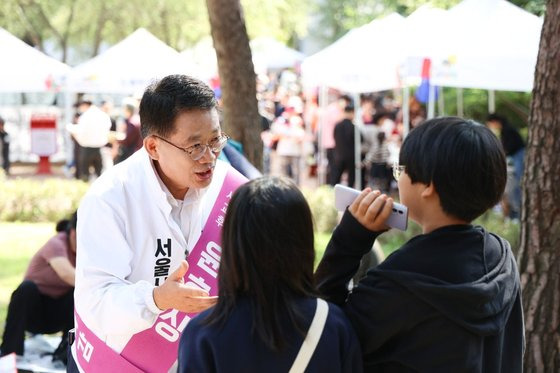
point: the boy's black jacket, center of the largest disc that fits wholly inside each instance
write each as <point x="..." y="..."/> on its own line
<point x="447" y="301"/>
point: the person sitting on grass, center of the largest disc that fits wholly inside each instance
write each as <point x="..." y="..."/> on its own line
<point x="267" y="300"/>
<point x="43" y="303"/>
<point x="448" y="300"/>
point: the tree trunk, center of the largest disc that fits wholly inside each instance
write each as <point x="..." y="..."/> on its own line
<point x="539" y="255"/>
<point x="237" y="76"/>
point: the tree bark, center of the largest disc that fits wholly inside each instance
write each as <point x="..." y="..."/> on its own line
<point x="237" y="76"/>
<point x="539" y="255"/>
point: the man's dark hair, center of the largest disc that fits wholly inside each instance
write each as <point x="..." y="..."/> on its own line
<point x="464" y="161"/>
<point x="267" y="256"/>
<point x="164" y="100"/>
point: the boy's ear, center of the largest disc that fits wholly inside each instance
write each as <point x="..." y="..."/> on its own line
<point x="429" y="191"/>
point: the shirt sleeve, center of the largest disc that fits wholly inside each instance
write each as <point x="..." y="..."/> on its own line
<point x="104" y="298"/>
<point x="54" y="248"/>
<point x="376" y="307"/>
<point x="349" y="242"/>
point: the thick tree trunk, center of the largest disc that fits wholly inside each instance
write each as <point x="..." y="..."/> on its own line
<point x="539" y="255"/>
<point x="237" y="76"/>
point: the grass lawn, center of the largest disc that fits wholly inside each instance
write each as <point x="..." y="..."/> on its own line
<point x="18" y="243"/>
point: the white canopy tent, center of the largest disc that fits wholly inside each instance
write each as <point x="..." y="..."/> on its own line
<point x="490" y="44"/>
<point x="25" y="69"/>
<point x="128" y="66"/>
<point x="486" y="44"/>
<point x="366" y="59"/>
<point x="203" y="56"/>
<point x="270" y="54"/>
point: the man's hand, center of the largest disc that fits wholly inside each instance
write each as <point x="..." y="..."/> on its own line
<point x="173" y="293"/>
<point x="371" y="209"/>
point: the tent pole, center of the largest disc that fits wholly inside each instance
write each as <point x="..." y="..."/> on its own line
<point x="460" y="112"/>
<point x="406" y="110"/>
<point x="358" y="123"/>
<point x="321" y="168"/>
<point x="431" y="101"/>
<point x="491" y="101"/>
<point x="441" y="103"/>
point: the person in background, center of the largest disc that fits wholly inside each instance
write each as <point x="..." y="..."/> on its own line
<point x="344" y="152"/>
<point x="131" y="128"/>
<point x="289" y="131"/>
<point x="107" y="161"/>
<point x="379" y="169"/>
<point x="44" y="302"/>
<point x="329" y="117"/>
<point x="4" y="147"/>
<point x="448" y="300"/>
<point x="92" y="133"/>
<point x="267" y="299"/>
<point x="514" y="147"/>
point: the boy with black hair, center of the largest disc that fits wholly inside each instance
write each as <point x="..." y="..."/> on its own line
<point x="449" y="299"/>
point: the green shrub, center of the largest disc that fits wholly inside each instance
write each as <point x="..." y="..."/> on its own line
<point x="32" y="200"/>
<point x="321" y="202"/>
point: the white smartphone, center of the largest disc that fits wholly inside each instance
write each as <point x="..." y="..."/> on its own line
<point x="344" y="196"/>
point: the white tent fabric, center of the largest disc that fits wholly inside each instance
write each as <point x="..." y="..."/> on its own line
<point x="203" y="56"/>
<point x="366" y="59"/>
<point x="270" y="54"/>
<point x="486" y="44"/>
<point x="491" y="44"/>
<point x="425" y="38"/>
<point x="25" y="69"/>
<point x="128" y="66"/>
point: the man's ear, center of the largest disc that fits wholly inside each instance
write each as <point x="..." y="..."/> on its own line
<point x="151" y="146"/>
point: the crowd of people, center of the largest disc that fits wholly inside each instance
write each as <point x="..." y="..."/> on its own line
<point x="302" y="137"/>
<point x="297" y="131"/>
<point x="177" y="262"/>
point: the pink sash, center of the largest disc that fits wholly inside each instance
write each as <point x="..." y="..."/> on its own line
<point x="155" y="349"/>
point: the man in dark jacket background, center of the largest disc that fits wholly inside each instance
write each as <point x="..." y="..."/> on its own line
<point x="449" y="300"/>
<point x="344" y="158"/>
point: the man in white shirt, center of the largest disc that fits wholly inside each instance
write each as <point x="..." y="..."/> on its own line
<point x="137" y="223"/>
<point x="92" y="133"/>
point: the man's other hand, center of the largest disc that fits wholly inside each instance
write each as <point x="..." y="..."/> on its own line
<point x="173" y="293"/>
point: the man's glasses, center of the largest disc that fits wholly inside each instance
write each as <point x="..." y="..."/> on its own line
<point x="197" y="151"/>
<point x="397" y="170"/>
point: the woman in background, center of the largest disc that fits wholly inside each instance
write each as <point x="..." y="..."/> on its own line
<point x="267" y="298"/>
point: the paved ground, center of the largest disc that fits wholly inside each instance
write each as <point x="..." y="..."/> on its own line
<point x="30" y="170"/>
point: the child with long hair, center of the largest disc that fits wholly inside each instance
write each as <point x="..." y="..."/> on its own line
<point x="267" y="298"/>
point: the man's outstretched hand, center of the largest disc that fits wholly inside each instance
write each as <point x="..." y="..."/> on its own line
<point x="173" y="293"/>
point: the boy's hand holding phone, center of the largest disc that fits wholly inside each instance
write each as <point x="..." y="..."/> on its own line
<point x="398" y="214"/>
<point x="371" y="209"/>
